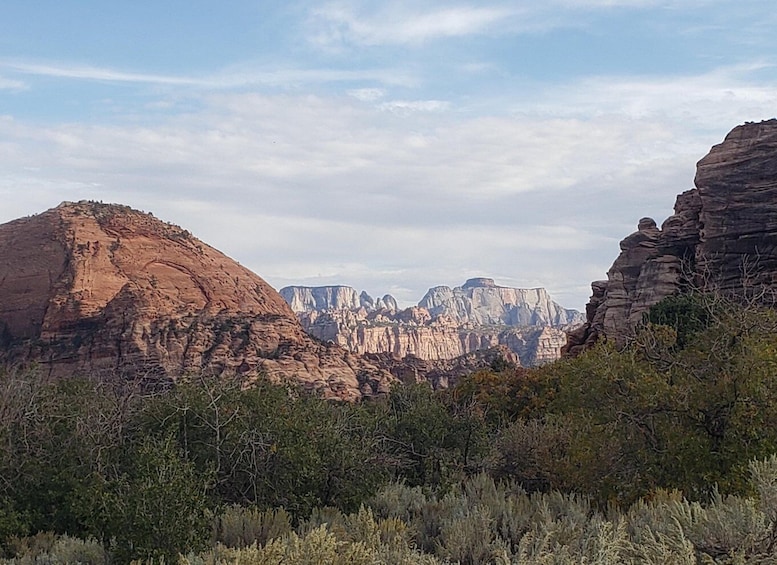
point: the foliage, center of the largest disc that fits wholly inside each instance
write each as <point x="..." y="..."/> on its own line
<point x="483" y="521"/>
<point x="430" y="440"/>
<point x="671" y="439"/>
<point x="687" y="314"/>
<point x="504" y="393"/>
<point x="158" y="507"/>
<point x="270" y="446"/>
<point x="240" y="527"/>
<point x="55" y="550"/>
<point x="660" y="415"/>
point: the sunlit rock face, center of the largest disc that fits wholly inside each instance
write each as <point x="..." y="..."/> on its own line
<point x="722" y="237"/>
<point x="446" y="324"/>
<point x="89" y="287"/>
<point x="481" y="302"/>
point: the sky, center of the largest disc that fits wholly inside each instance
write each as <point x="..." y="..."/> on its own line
<point x="389" y="146"/>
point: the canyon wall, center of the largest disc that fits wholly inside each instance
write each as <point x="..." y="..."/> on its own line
<point x="447" y="323"/>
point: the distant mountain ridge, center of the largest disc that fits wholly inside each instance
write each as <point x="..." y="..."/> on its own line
<point x="481" y="302"/>
<point x="447" y="322"/>
<point x="338" y="297"/>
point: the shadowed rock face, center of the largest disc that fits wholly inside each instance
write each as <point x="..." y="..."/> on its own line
<point x="722" y="237"/>
<point x="88" y="287"/>
<point x="443" y="373"/>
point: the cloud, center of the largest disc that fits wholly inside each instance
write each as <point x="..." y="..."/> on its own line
<point x="341" y="24"/>
<point x="407" y="107"/>
<point x="725" y="95"/>
<point x="367" y="94"/>
<point x="234" y="77"/>
<point x="399" y="23"/>
<point x="10" y="84"/>
<point x="335" y="188"/>
<point x="86" y="72"/>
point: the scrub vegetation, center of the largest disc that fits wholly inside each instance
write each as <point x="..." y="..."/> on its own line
<point x="659" y="452"/>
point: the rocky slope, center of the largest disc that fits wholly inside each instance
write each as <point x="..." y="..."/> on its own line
<point x="442" y="373"/>
<point x="447" y="323"/>
<point x="722" y="238"/>
<point x="87" y="287"/>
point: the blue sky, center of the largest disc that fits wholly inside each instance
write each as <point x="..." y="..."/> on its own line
<point x="390" y="146"/>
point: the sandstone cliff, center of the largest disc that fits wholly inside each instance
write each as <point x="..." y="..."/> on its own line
<point x="722" y="238"/>
<point x="481" y="302"/>
<point x="87" y="287"/>
<point x="447" y="323"/>
<point x="311" y="298"/>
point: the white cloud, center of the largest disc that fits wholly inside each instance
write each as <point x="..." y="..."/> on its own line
<point x="367" y="94"/>
<point x="317" y="189"/>
<point x="237" y="76"/>
<point x="401" y="23"/>
<point x="406" y="107"/>
<point x="345" y="23"/>
<point x="11" y="84"/>
<point x="726" y="95"/>
<point x="93" y="73"/>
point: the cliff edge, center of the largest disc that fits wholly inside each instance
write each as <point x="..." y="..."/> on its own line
<point x="721" y="238"/>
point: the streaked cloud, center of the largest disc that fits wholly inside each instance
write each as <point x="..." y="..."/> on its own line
<point x="725" y="95"/>
<point x="86" y="72"/>
<point x="367" y="94"/>
<point x="11" y="84"/>
<point x="230" y="78"/>
<point x="406" y="107"/>
<point x="360" y="23"/>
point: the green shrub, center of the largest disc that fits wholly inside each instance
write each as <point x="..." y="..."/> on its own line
<point x="159" y="507"/>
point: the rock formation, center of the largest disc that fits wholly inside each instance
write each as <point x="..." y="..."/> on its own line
<point x="447" y="323"/>
<point x="722" y="238"/>
<point x="87" y="287"/>
<point x="481" y="302"/>
<point x="442" y="373"/>
<point x="302" y="299"/>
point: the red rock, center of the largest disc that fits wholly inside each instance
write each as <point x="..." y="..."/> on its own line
<point x="89" y="287"/>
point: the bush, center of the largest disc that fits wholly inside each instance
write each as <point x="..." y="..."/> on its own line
<point x="159" y="507"/>
<point x="239" y="527"/>
<point x="50" y="549"/>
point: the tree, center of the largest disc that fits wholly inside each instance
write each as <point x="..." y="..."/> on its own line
<point x="158" y="507"/>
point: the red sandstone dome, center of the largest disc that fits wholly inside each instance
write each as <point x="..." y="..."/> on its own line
<point x="88" y="287"/>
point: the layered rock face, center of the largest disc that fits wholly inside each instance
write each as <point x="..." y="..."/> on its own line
<point x="721" y="238"/>
<point x="309" y="298"/>
<point x="447" y="323"/>
<point x="87" y="287"/>
<point x="481" y="302"/>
